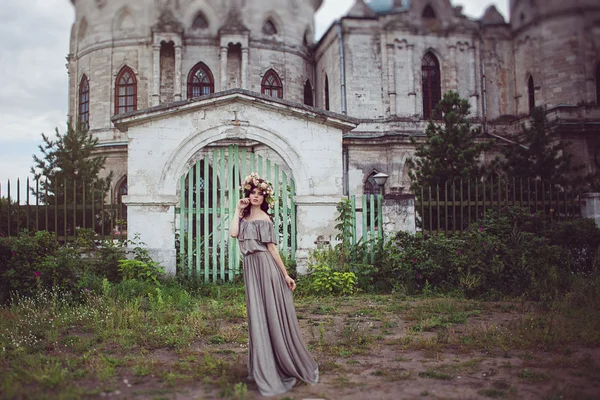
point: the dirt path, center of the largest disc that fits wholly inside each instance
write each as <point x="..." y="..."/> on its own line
<point x="383" y="348"/>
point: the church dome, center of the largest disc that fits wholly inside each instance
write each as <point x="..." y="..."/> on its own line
<point x="387" y="6"/>
<point x="381" y="6"/>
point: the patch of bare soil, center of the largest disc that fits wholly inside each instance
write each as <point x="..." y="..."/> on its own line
<point x="383" y="348"/>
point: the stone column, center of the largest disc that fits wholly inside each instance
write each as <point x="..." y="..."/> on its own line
<point x="155" y="74"/>
<point x="411" y="77"/>
<point x="392" y="76"/>
<point x="315" y="222"/>
<point x="223" y="70"/>
<point x="398" y="214"/>
<point x="152" y="216"/>
<point x="590" y="207"/>
<point x="177" y="91"/>
<point x="473" y="95"/>
<point x="245" y="68"/>
<point x="454" y="71"/>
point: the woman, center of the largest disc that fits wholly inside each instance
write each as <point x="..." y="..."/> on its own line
<point x="277" y="355"/>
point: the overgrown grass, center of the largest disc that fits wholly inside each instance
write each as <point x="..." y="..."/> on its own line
<point x="165" y="337"/>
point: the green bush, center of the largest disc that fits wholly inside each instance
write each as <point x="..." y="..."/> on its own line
<point x="514" y="253"/>
<point x="146" y="271"/>
<point x="580" y="238"/>
<point x="29" y="261"/>
<point x="324" y="281"/>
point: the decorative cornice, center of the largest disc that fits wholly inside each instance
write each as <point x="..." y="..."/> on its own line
<point x="340" y="121"/>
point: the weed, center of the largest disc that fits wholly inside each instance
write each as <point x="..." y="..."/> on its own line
<point x="531" y="375"/>
<point x="434" y="374"/>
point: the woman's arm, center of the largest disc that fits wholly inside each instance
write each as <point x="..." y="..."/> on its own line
<point x="275" y="253"/>
<point x="234" y="226"/>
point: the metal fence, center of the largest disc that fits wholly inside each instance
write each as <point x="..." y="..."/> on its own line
<point x="453" y="206"/>
<point x="62" y="209"/>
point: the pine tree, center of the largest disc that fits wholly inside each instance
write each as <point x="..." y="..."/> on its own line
<point x="539" y="153"/>
<point x="451" y="150"/>
<point x="69" y="169"/>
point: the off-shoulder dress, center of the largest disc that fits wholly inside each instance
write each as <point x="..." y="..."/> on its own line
<point x="277" y="355"/>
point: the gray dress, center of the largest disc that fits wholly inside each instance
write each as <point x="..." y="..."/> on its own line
<point x="277" y="355"/>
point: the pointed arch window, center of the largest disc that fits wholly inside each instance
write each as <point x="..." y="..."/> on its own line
<point x="432" y="91"/>
<point x="200" y="22"/>
<point x="122" y="191"/>
<point x="84" y="103"/>
<point x="308" y="94"/>
<point x="598" y="84"/>
<point x="372" y="188"/>
<point x="125" y="91"/>
<point x="531" y="94"/>
<point x="200" y="81"/>
<point x="269" y="28"/>
<point x="326" y="93"/>
<point x="428" y="12"/>
<point x="271" y="85"/>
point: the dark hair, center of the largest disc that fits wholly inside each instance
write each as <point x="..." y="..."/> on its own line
<point x="264" y="206"/>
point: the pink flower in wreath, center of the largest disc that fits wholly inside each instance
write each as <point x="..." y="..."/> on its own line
<point x="36" y="275"/>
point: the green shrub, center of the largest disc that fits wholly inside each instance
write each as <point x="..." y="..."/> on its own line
<point x="146" y="271"/>
<point x="325" y="281"/>
<point x="580" y="238"/>
<point x="511" y="253"/>
<point x="31" y="262"/>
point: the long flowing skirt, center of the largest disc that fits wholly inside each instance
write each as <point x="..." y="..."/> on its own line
<point x="277" y="355"/>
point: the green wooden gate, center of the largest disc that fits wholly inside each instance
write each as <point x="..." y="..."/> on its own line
<point x="209" y="193"/>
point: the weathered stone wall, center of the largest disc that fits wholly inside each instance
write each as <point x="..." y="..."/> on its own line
<point x="109" y="35"/>
<point x="165" y="143"/>
<point x="556" y="41"/>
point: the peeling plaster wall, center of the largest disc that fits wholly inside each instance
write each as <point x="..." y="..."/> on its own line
<point x="162" y="149"/>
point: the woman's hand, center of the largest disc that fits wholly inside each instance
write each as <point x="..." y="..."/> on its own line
<point x="243" y="203"/>
<point x="290" y="282"/>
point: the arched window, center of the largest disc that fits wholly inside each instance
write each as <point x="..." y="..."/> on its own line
<point x="269" y="28"/>
<point x="200" y="81"/>
<point x="372" y="188"/>
<point x="428" y="12"/>
<point x="326" y="92"/>
<point x="598" y="84"/>
<point x="531" y="94"/>
<point x="308" y="94"/>
<point x="271" y="85"/>
<point x="200" y="22"/>
<point x="84" y="103"/>
<point x="122" y="191"/>
<point x="432" y="91"/>
<point x="125" y="91"/>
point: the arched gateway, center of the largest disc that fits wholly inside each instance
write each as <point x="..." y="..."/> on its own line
<point x="208" y="194"/>
<point x="186" y="161"/>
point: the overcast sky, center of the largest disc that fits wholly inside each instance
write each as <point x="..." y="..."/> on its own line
<point x="33" y="76"/>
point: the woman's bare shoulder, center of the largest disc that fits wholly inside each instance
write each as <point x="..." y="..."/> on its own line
<point x="263" y="216"/>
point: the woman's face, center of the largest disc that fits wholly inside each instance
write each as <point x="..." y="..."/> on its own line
<point x="256" y="197"/>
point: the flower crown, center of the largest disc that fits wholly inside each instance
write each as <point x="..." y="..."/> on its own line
<point x="262" y="184"/>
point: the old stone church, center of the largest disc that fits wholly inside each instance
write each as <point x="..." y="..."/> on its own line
<point x="165" y="84"/>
